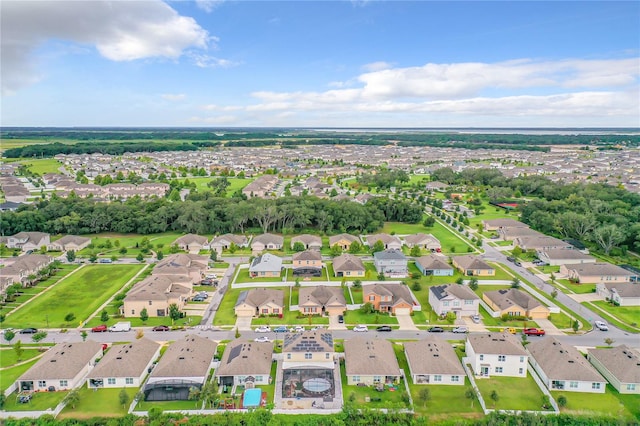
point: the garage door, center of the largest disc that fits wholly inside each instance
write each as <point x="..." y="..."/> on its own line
<point x="244" y="312"/>
<point x="403" y="311"/>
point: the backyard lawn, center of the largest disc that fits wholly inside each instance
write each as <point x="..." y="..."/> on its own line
<point x="357" y="394"/>
<point x="10" y="375"/>
<point x="243" y="277"/>
<point x="527" y="397"/>
<point x="82" y="293"/>
<point x="600" y="403"/>
<point x="40" y="401"/>
<point x="98" y="403"/>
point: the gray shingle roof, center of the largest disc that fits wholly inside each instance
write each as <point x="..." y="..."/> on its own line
<point x="562" y="362"/>
<point x="432" y="355"/>
<point x="308" y="341"/>
<point x="307" y="255"/>
<point x="347" y="262"/>
<point x="370" y="357"/>
<point x="243" y="357"/>
<point x="63" y="361"/>
<point x="470" y="261"/>
<point x="266" y="263"/>
<point x="622" y="361"/>
<point x="601" y="268"/>
<point x="496" y="343"/>
<point x="259" y="296"/>
<point x="459" y="291"/>
<point x="127" y="360"/>
<point x="322" y="295"/>
<point x="433" y="262"/>
<point x="190" y="356"/>
<point x="506" y="298"/>
<point x="389" y="254"/>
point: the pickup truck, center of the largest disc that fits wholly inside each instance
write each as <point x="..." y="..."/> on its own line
<point x="533" y="331"/>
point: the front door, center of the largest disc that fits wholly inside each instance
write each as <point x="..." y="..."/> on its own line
<point x="484" y="371"/>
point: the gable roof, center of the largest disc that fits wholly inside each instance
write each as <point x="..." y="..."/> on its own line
<point x="242" y="357"/>
<point x="432" y="355"/>
<point x="230" y="238"/>
<point x="63" y="361"/>
<point x="421" y="238"/>
<point x="624" y="289"/>
<point x="398" y="292"/>
<point x="496" y="343"/>
<point x="390" y="254"/>
<point x="335" y="238"/>
<point x="259" y="296"/>
<point x="71" y="239"/>
<point x="385" y="238"/>
<point x="266" y="262"/>
<point x="433" y="262"/>
<point x="470" y="261"/>
<point x="307" y="255"/>
<point x="561" y="361"/>
<point x="347" y="262"/>
<point x="127" y="360"/>
<point x="159" y="287"/>
<point x="322" y="295"/>
<point x="308" y="341"/>
<point x="622" y="361"/>
<point x="458" y="291"/>
<point x="507" y="298"/>
<point x="190" y="356"/>
<point x="307" y="239"/>
<point x="268" y="239"/>
<point x="565" y="254"/>
<point x="370" y="357"/>
<point x="600" y="268"/>
<point x="191" y="239"/>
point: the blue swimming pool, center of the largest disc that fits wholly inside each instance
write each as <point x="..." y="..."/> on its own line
<point x="251" y="398"/>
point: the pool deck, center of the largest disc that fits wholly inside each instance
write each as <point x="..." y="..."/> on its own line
<point x="307" y="403"/>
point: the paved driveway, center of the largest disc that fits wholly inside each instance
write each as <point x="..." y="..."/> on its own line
<point x="586" y="297"/>
<point x="405" y="322"/>
<point x="334" y="324"/>
<point x="243" y="323"/>
<point x="548" y="327"/>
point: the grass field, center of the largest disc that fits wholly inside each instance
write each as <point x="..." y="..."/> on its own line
<point x="10" y="375"/>
<point x="628" y="314"/>
<point x="449" y="241"/>
<point x="98" y="403"/>
<point x="82" y="293"/>
<point x="235" y="183"/>
<point x="600" y="403"/>
<point x="40" y="401"/>
<point x="42" y="166"/>
<point x="357" y="394"/>
<point x="8" y="356"/>
<point x="527" y="397"/>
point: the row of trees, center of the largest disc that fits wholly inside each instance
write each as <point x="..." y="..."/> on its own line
<point x="206" y="214"/>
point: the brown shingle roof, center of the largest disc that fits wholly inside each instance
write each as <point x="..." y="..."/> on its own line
<point x="187" y="357"/>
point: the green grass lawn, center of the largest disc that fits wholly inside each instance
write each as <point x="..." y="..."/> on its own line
<point x="98" y="403"/>
<point x="225" y="314"/>
<point x="169" y="405"/>
<point x="201" y="183"/>
<point x="41" y="401"/>
<point x="578" y="288"/>
<point x="527" y="397"/>
<point x="10" y="375"/>
<point x="600" y="403"/>
<point x="42" y="166"/>
<point x="357" y="317"/>
<point x="370" y="273"/>
<point x="357" y="394"/>
<point x="243" y="277"/>
<point x="82" y="293"/>
<point x="630" y="315"/>
<point x="357" y="295"/>
<point x="548" y="269"/>
<point x="8" y="357"/>
<point x="449" y="241"/>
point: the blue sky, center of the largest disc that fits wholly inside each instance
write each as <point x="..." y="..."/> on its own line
<point x="320" y="64"/>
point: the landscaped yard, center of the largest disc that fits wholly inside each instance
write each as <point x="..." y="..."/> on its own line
<point x="82" y="293"/>
<point x="98" y="403"/>
<point x="600" y="403"/>
<point x="578" y="288"/>
<point x="40" y="401"/>
<point x="358" y="317"/>
<point x="369" y="274"/>
<point x="514" y="393"/>
<point x="243" y="277"/>
<point x="628" y="314"/>
<point x="357" y="394"/>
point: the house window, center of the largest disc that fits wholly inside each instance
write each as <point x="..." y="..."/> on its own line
<point x="445" y="303"/>
<point x="456" y="303"/>
<point x="372" y="298"/>
<point x="355" y="379"/>
<point x="348" y="273"/>
<point x="377" y="379"/>
<point x="308" y="356"/>
<point x="595" y="385"/>
<point x="160" y="312"/>
<point x="502" y="358"/>
<point x="133" y="312"/>
<point x="520" y="370"/>
<point x="481" y="357"/>
<point x="437" y="378"/>
<point x="498" y="369"/>
<point x="631" y="386"/>
<point x="128" y="380"/>
<point x="521" y="359"/>
<point x="42" y="383"/>
<point x="573" y="385"/>
<point x="276" y="310"/>
<point x="111" y="381"/>
<point x="259" y="378"/>
<point x="288" y="356"/>
<point x="150" y="303"/>
<point x="265" y="310"/>
<point x="263" y="273"/>
<point x="63" y="383"/>
<point x="455" y="378"/>
<point x="326" y="355"/>
<point x="468" y="302"/>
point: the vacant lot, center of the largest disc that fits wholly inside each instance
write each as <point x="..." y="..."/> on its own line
<point x="42" y="166"/>
<point x="80" y="294"/>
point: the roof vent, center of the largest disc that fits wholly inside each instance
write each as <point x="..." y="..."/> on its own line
<point x="181" y="357"/>
<point x="119" y="357"/>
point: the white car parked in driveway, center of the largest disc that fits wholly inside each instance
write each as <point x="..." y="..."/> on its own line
<point x="263" y="329"/>
<point x="360" y="327"/>
<point x="601" y="325"/>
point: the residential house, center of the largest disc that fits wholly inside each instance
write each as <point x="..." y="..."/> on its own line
<point x="596" y="273"/>
<point x="456" y="298"/>
<point x="192" y="243"/>
<point x="27" y="241"/>
<point x="191" y="267"/>
<point x="392" y="263"/>
<point x="370" y="361"/>
<point x="343" y="241"/>
<point x="266" y="265"/>
<point x="311" y="348"/>
<point x="62" y="367"/>
<point x="561" y="367"/>
<point x="9" y="206"/>
<point x="496" y="354"/>
<point x="262" y="187"/>
<point x="389" y="241"/>
<point x="543" y="242"/>
<point x="424" y="241"/>
<point x="393" y="298"/>
<point x="514" y="302"/>
<point x="224" y="242"/>
<point x="348" y="265"/>
<point x="70" y="242"/>
<point x="564" y="257"/>
<point x="22" y="268"/>
<point x="185" y="365"/>
<point x="267" y="242"/>
<point x="124" y="365"/>
<point x="321" y="299"/>
<point x="497" y="224"/>
<point x="433" y="360"/>
<point x="309" y="241"/>
<point x="622" y="294"/>
<point x="436" y="186"/>
<point x="260" y="301"/>
<point x="472" y="265"/>
<point x="307" y="263"/>
<point x="620" y="365"/>
<point x="245" y="363"/>
<point x="435" y="265"/>
<point x="511" y="234"/>
<point x="156" y="294"/>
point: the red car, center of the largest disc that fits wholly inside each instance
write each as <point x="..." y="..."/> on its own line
<point x="533" y="331"/>
<point x="99" y="329"/>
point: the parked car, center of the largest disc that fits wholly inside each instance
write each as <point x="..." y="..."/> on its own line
<point x="211" y="276"/>
<point x="262" y="339"/>
<point x="297" y="329"/>
<point x="383" y="328"/>
<point x="517" y="263"/>
<point x="204" y="294"/>
<point x="24" y="398"/>
<point x="600" y="325"/>
<point x="29" y="330"/>
<point x="161" y="328"/>
<point x="105" y="261"/>
<point x="475" y="319"/>
<point x="511" y="330"/>
<point x="436" y="330"/>
<point x="341" y="319"/>
<point x="206" y="281"/>
<point x="99" y="329"/>
<point x="511" y="258"/>
<point x="360" y="328"/>
<point x="460" y="329"/>
<point x="198" y="298"/>
<point x="263" y="329"/>
<point x="281" y="329"/>
<point x="533" y="331"/>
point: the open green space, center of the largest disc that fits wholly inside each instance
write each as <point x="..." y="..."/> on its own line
<point x="449" y="241"/>
<point x="8" y="356"/>
<point x="82" y="293"/>
<point x="527" y="397"/>
<point x="576" y="287"/>
<point x="10" y="375"/>
<point x="225" y="314"/>
<point x="40" y="401"/>
<point x="41" y="166"/>
<point x="625" y="317"/>
<point x="609" y="403"/>
<point x="235" y="183"/>
<point x="98" y="403"/>
<point x="489" y="212"/>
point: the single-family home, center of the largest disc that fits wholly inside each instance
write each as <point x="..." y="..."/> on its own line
<point x="436" y="186"/>
<point x="496" y="224"/>
<point x="267" y="241"/>
<point x="456" y="298"/>
<point x="343" y="241"/>
<point x="348" y="265"/>
<point x="620" y="365"/>
<point x="472" y="265"/>
<point x="622" y="294"/>
<point x="192" y="243"/>
<point x="309" y="241"/>
<point x="393" y="298"/>
<point x="435" y="265"/>
<point x="260" y="301"/>
<point x="245" y="363"/>
<point x="514" y="302"/>
<point x="185" y="364"/>
<point x="596" y="273"/>
<point x="70" y="242"/>
<point x="424" y="241"/>
<point x="496" y="354"/>
<point x="124" y="365"/>
<point x="370" y="361"/>
<point x="62" y="367"/>
<point x="191" y="267"/>
<point x="543" y="242"/>
<point x="389" y="241"/>
<point x="265" y="265"/>
<point x="392" y="263"/>
<point x="224" y="242"/>
<point x="307" y="263"/>
<point x="564" y="257"/>
<point x="19" y="271"/>
<point x="156" y="294"/>
<point x="510" y="234"/>
<point x="321" y="299"/>
<point x="309" y="348"/>
<point x="262" y="187"/>
<point x="561" y="367"/>
<point x="433" y="360"/>
<point x="27" y="241"/>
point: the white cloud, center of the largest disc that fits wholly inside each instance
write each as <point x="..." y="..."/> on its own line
<point x="208" y="5"/>
<point x="174" y="97"/>
<point x="377" y="66"/>
<point x="119" y="30"/>
<point x="204" y="60"/>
